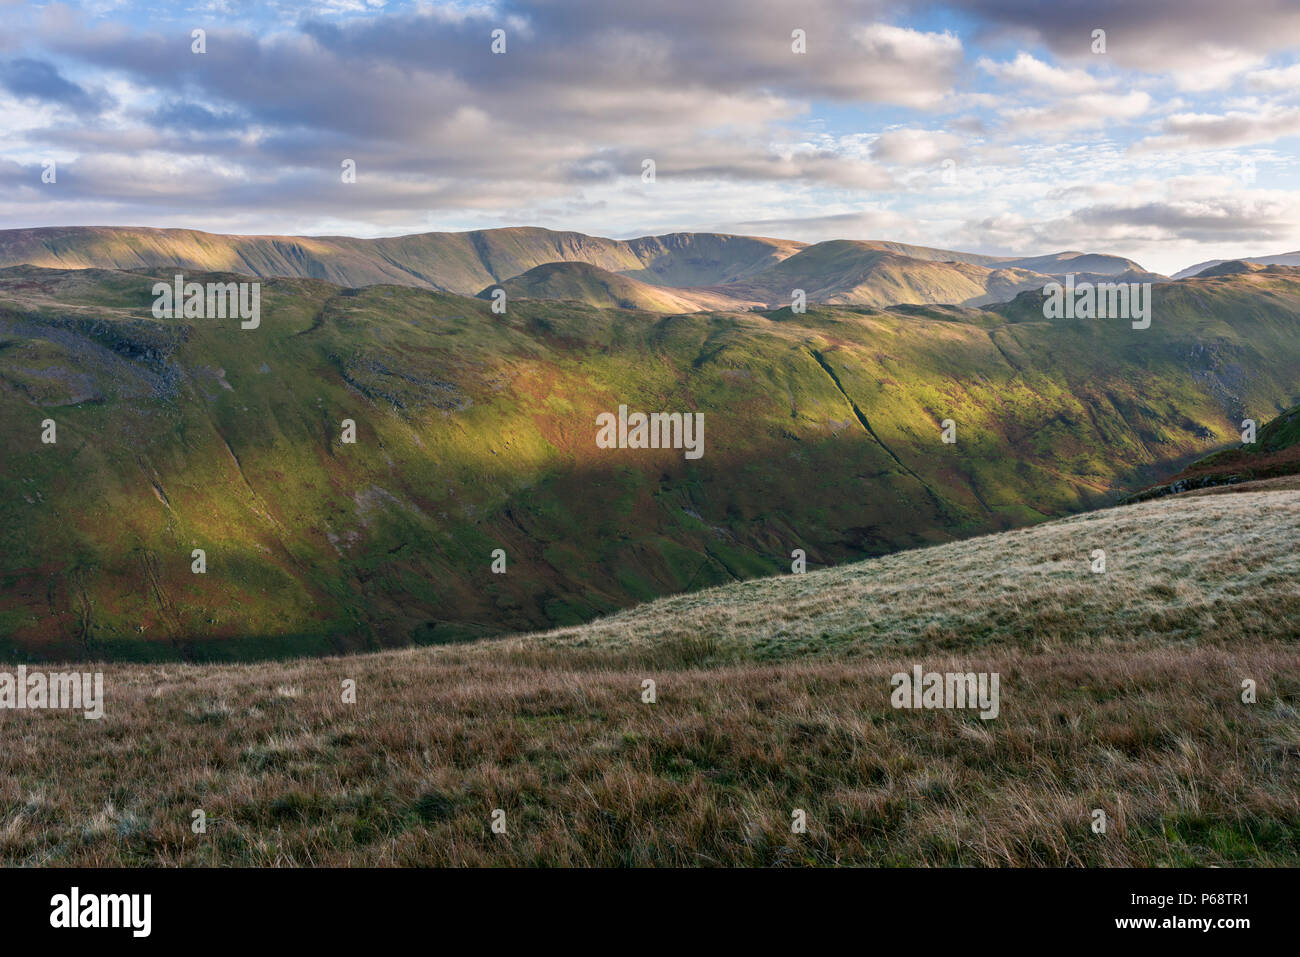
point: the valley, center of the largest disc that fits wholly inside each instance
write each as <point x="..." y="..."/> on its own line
<point x="476" y="432"/>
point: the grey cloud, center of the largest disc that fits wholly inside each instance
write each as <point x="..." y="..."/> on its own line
<point x="40" y="80"/>
<point x="584" y="92"/>
<point x="1150" y="35"/>
<point x="866" y="224"/>
<point x="193" y="117"/>
<point x="1206" y="220"/>
<point x="1237" y="128"/>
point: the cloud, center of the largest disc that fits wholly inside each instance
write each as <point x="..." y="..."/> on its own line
<point x="1216" y="219"/>
<point x="40" y="80"/>
<point x="1284" y="79"/>
<point x="911" y="147"/>
<point x="1199" y="44"/>
<point x="1236" y="128"/>
<point x="1028" y="71"/>
<point x="908" y="67"/>
<point x="584" y="93"/>
<point x="858" y="224"/>
<point x="746" y="133"/>
<point x="181" y="115"/>
<point x="1079" y="112"/>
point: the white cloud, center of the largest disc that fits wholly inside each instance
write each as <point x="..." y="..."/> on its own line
<point x="903" y="66"/>
<point x="1282" y="79"/>
<point x="1034" y="76"/>
<point x="1236" y="128"/>
<point x="1079" y="112"/>
<point x="912" y="147"/>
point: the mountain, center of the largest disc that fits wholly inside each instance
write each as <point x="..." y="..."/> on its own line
<point x="848" y="272"/>
<point x="593" y="286"/>
<point x="708" y="270"/>
<point x="1241" y="267"/>
<point x="477" y="432"/>
<point x="1285" y="259"/>
<point x="1058" y="264"/>
<point x="837" y="272"/>
<point x="1118" y="691"/>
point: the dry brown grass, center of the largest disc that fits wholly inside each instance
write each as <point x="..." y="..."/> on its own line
<point x="588" y="774"/>
<point x="1152" y="732"/>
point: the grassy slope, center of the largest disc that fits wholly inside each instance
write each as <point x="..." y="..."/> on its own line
<point x="477" y="432"/>
<point x="1185" y="571"/>
<point x="599" y="288"/>
<point x="1138" y="714"/>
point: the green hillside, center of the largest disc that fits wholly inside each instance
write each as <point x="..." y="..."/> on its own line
<point x="476" y="432"/>
<point x="1274" y="454"/>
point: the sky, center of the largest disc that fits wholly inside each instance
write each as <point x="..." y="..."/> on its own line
<point x="1007" y="127"/>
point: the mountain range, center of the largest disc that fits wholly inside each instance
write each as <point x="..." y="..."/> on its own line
<point x="475" y="431"/>
<point x="703" y="270"/>
<point x="1285" y="259"/>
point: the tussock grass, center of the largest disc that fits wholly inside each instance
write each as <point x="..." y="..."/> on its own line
<point x="710" y="774"/>
<point x="1120" y="692"/>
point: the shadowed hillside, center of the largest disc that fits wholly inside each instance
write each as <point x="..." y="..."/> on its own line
<point x="1274" y="454"/>
<point x="476" y="432"/>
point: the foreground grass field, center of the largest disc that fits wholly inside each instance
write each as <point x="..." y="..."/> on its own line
<point x="1120" y="692"/>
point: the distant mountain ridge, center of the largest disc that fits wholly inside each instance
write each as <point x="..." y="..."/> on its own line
<point x="709" y="271"/>
<point x="447" y="262"/>
<point x="1282" y="259"/>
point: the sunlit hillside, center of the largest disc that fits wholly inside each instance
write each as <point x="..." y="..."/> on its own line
<point x="475" y="431"/>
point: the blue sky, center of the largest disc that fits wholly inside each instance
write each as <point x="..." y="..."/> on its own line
<point x="985" y="125"/>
